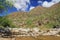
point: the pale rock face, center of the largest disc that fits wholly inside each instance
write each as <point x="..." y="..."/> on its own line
<point x="36" y="29"/>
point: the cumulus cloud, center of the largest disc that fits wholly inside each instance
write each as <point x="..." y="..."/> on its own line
<point x="20" y="4"/>
<point x="55" y="1"/>
<point x="32" y="7"/>
<point x="49" y="4"/>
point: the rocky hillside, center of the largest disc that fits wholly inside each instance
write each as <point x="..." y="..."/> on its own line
<point x="41" y="17"/>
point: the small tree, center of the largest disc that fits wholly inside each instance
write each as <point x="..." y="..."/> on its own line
<point x="3" y="19"/>
<point x="4" y="5"/>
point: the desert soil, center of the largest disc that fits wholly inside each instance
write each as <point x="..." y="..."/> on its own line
<point x="33" y="38"/>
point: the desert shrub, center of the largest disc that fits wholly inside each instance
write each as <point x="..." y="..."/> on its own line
<point x="6" y="22"/>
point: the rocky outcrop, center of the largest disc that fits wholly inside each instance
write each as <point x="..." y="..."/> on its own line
<point x="34" y="32"/>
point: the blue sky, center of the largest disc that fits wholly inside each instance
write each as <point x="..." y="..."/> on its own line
<point x="27" y="5"/>
<point x="35" y="2"/>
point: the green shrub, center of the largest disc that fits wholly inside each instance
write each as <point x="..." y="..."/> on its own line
<point x="6" y="22"/>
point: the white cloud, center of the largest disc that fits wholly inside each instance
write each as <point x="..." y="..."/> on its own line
<point x="20" y="4"/>
<point x="56" y="1"/>
<point x="31" y="8"/>
<point x="40" y="1"/>
<point x="49" y="4"/>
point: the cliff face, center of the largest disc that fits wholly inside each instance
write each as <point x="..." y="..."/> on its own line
<point x="39" y="17"/>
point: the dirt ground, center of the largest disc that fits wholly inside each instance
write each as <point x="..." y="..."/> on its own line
<point x="7" y="38"/>
<point x="39" y="38"/>
<point x="33" y="38"/>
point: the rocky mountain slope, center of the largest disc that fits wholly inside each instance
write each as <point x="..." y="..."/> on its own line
<point x="43" y="18"/>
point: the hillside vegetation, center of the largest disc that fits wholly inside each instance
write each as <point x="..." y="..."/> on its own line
<point x="40" y="17"/>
